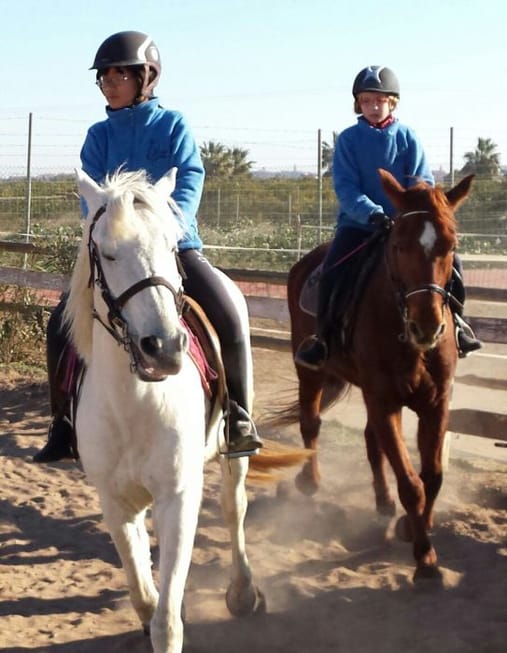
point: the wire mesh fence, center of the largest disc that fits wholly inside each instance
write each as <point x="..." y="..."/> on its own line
<point x="265" y="214"/>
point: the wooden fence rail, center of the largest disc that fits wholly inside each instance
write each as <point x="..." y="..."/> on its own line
<point x="259" y="288"/>
<point x="261" y="304"/>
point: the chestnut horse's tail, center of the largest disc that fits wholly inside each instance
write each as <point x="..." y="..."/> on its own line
<point x="334" y="389"/>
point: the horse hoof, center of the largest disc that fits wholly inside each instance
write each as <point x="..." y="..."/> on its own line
<point x="429" y="573"/>
<point x="403" y="529"/>
<point x="305" y="485"/>
<point x="248" y="601"/>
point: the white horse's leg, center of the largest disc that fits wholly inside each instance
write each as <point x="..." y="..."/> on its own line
<point x="242" y="597"/>
<point x="131" y="539"/>
<point x="175" y="522"/>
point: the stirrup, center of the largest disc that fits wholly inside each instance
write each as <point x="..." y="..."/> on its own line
<point x="246" y="441"/>
<point x="466" y="340"/>
<point x="312" y="357"/>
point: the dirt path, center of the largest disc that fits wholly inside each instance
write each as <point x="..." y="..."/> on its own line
<point x="332" y="581"/>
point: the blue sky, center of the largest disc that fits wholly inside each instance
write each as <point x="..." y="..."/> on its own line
<point x="260" y="74"/>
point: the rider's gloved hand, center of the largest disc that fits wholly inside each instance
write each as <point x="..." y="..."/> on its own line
<point x="380" y="220"/>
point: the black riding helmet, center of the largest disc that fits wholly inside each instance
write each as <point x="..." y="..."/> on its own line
<point x="376" y="78"/>
<point x="131" y="49"/>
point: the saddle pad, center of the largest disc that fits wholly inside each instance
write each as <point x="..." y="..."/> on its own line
<point x="308" y="299"/>
<point x="196" y="353"/>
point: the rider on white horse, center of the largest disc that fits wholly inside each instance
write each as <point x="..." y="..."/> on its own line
<point x="139" y="134"/>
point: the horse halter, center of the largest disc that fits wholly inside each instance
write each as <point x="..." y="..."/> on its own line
<point x="402" y="295"/>
<point x="116" y="324"/>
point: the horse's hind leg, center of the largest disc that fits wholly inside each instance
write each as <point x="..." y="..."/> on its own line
<point x="242" y="597"/>
<point x="129" y="535"/>
<point x="310" y="395"/>
<point x="378" y="463"/>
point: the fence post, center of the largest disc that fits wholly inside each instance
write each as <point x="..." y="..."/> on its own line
<point x="28" y="187"/>
<point x="319" y="178"/>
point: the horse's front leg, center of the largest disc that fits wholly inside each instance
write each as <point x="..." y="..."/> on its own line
<point x="175" y="521"/>
<point x="378" y="463"/>
<point x="310" y="395"/>
<point x="130" y="537"/>
<point x="387" y="425"/>
<point x="242" y="597"/>
<point x="431" y="434"/>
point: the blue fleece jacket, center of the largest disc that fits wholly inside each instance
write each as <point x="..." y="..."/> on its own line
<point x="362" y="149"/>
<point x="147" y="136"/>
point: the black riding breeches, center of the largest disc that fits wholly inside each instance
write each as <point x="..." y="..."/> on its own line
<point x="205" y="285"/>
<point x="457" y="285"/>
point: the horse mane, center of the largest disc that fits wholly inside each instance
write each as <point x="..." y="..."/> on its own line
<point x="78" y="313"/>
<point x="120" y="188"/>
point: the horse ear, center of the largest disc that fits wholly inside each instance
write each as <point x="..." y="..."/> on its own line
<point x="166" y="184"/>
<point x="90" y="191"/>
<point x="394" y="190"/>
<point x="457" y="194"/>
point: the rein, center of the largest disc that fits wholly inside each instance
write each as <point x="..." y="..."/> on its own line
<point x="116" y="324"/>
<point x="403" y="295"/>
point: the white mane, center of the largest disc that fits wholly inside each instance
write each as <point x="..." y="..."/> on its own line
<point x="118" y="191"/>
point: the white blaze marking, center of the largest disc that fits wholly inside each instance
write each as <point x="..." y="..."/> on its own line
<point x="428" y="237"/>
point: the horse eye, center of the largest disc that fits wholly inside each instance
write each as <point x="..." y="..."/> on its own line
<point x="109" y="257"/>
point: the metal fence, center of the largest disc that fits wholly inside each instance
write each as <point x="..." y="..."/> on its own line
<point x="282" y="212"/>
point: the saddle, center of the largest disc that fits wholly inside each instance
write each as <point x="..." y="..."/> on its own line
<point x="204" y="350"/>
<point x="347" y="282"/>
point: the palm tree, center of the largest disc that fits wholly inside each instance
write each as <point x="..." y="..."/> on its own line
<point x="484" y="161"/>
<point x="215" y="159"/>
<point x="239" y="161"/>
<point x="222" y="162"/>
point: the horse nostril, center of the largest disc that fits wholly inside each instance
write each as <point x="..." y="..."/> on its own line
<point x="151" y="346"/>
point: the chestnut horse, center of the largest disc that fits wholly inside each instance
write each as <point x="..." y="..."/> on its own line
<point x="401" y="352"/>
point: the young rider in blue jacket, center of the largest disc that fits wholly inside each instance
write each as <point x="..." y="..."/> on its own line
<point x="377" y="140"/>
<point x="140" y="134"/>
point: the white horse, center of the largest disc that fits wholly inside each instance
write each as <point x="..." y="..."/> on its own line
<point x="142" y="416"/>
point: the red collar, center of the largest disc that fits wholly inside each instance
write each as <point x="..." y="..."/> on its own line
<point x="384" y="123"/>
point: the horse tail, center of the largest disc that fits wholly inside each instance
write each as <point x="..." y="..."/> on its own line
<point x="273" y="457"/>
<point x="334" y="390"/>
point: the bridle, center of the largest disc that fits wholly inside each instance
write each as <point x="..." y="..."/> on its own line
<point x="402" y="294"/>
<point x="116" y="324"/>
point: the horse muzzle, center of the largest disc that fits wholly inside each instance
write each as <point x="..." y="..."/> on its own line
<point x="424" y="336"/>
<point x="155" y="357"/>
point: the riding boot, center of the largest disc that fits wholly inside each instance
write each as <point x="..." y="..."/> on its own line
<point x="241" y="435"/>
<point x="466" y="340"/>
<point x="60" y="432"/>
<point x="59" y="444"/>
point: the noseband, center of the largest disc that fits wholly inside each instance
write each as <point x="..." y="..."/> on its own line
<point x="116" y="324"/>
<point x="403" y="295"/>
